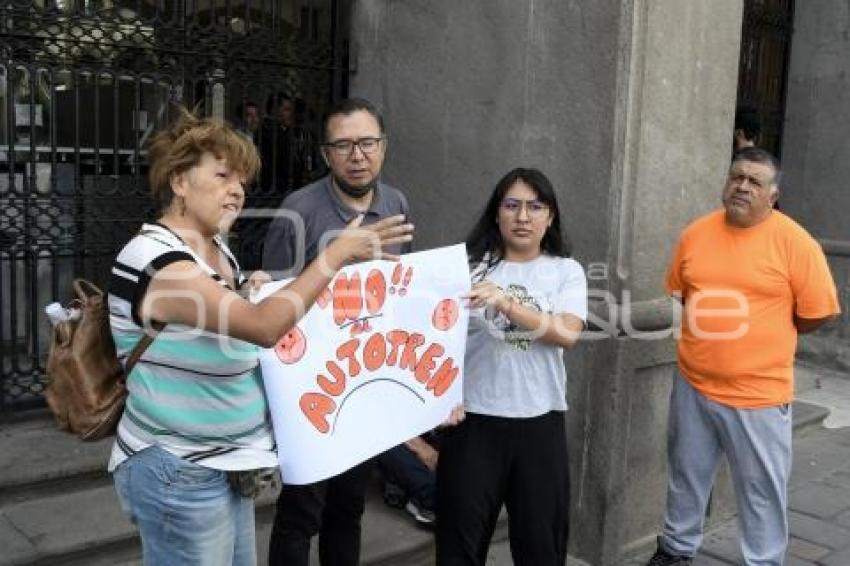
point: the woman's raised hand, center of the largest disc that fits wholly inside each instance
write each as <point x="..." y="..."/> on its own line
<point x="488" y="294"/>
<point x="362" y="243"/>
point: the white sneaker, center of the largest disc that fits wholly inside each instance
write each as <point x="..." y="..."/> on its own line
<point x="423" y="517"/>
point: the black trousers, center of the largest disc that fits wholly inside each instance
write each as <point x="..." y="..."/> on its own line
<point x="332" y="509"/>
<point x="486" y="462"/>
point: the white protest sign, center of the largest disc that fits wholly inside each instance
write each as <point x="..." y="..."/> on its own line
<point x="375" y="362"/>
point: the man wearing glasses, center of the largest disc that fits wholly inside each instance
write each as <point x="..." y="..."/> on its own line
<point x="354" y="148"/>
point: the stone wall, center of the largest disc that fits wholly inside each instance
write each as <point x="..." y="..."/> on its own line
<point x="473" y="89"/>
<point x="627" y="106"/>
<point x="816" y="151"/>
<point x="815" y="147"/>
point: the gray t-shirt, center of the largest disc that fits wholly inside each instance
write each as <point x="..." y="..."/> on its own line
<point x="507" y="373"/>
<point x="309" y="218"/>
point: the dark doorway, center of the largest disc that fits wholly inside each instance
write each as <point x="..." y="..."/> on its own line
<point x="763" y="72"/>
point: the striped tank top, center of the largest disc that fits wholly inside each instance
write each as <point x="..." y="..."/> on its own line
<point x="196" y="394"/>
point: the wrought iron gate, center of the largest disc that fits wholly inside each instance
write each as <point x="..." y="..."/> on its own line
<point x="84" y="83"/>
<point x="763" y="70"/>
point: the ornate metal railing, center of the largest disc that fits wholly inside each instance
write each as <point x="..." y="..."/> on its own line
<point x="84" y="83"/>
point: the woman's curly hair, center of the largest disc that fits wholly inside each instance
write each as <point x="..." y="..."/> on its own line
<point x="180" y="146"/>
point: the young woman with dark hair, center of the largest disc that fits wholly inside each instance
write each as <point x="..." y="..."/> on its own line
<point x="530" y="303"/>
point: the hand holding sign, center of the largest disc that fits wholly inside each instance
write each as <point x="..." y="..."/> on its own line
<point x="366" y="369"/>
<point x="455" y="417"/>
<point x="488" y="294"/>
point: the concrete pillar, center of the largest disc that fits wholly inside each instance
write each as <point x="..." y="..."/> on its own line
<point x="627" y="106"/>
<point x="815" y="152"/>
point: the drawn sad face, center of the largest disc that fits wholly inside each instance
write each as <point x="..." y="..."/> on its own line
<point x="291" y="346"/>
<point x="445" y="314"/>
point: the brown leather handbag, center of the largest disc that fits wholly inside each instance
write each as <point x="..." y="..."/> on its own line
<point x="86" y="384"/>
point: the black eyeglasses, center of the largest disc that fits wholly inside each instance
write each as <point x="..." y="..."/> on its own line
<point x="344" y="148"/>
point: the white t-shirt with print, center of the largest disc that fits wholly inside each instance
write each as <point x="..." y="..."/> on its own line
<point x="507" y="373"/>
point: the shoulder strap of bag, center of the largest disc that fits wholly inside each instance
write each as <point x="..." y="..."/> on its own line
<point x="141" y="346"/>
<point x="83" y="289"/>
<point x="137" y="352"/>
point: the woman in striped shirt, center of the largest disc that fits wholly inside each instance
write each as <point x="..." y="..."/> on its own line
<point x="196" y="410"/>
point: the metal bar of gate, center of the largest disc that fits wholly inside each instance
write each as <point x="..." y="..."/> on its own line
<point x="137" y="56"/>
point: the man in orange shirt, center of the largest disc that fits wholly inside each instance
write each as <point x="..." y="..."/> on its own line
<point x="750" y="280"/>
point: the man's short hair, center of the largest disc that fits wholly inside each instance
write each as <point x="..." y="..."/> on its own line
<point x="347" y="107"/>
<point x="747" y="120"/>
<point x="245" y="104"/>
<point x="759" y="155"/>
<point x="274" y="101"/>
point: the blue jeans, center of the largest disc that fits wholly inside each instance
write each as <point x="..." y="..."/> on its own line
<point x="187" y="514"/>
<point x="400" y="466"/>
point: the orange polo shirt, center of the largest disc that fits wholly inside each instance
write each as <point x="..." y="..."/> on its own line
<point x="741" y="289"/>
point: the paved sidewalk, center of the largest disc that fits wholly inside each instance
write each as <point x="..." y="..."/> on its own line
<point x="819" y="503"/>
<point x="827" y="388"/>
<point x="819" y="493"/>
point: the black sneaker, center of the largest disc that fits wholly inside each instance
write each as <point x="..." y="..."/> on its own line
<point x="394" y="496"/>
<point x="664" y="558"/>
